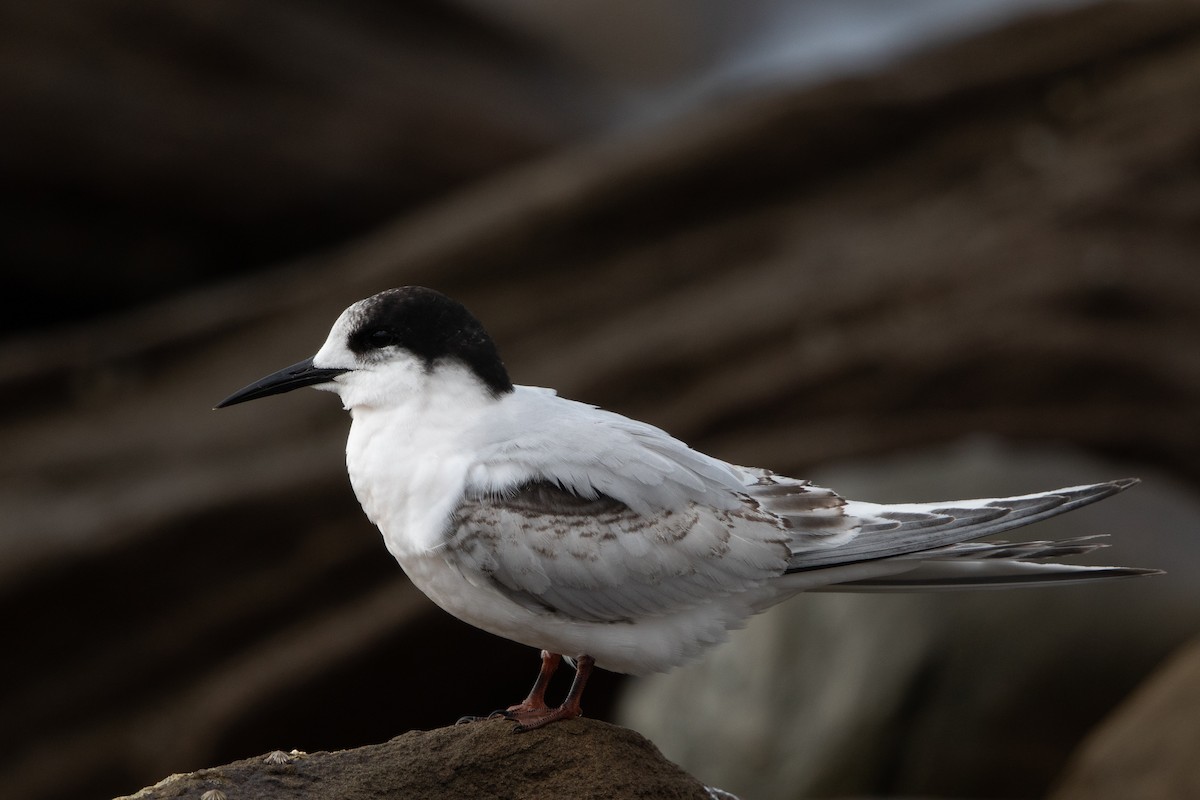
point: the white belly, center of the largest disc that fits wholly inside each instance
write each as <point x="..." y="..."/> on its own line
<point x="652" y="644"/>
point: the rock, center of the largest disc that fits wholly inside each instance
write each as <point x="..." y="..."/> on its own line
<point x="577" y="759"/>
<point x="1147" y="748"/>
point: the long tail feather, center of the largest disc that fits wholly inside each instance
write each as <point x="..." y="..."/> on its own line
<point x="933" y="530"/>
<point x="985" y="574"/>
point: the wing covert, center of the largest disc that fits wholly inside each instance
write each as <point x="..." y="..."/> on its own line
<point x="597" y="560"/>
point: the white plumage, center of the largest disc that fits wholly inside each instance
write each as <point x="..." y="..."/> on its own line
<point x="582" y="532"/>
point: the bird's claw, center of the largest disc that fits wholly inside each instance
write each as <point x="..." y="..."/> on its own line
<point x="469" y="718"/>
<point x="500" y="713"/>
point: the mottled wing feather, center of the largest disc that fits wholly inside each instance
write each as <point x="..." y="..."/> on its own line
<point x="596" y="560"/>
<point x="815" y="516"/>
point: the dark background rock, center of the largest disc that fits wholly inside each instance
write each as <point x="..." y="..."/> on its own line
<point x="151" y="146"/>
<point x="997" y="236"/>
<point x="1147" y="747"/>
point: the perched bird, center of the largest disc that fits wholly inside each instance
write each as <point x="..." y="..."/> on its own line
<point x="602" y="539"/>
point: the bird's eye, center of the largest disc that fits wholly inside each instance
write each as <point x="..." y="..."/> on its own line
<point x="382" y="338"/>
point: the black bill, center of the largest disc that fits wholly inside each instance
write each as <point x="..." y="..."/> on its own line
<point x="286" y="379"/>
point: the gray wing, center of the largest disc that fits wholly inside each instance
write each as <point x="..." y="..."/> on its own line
<point x="927" y="546"/>
<point x="597" y="560"/>
<point x="913" y="528"/>
<point x="988" y="565"/>
<point x="605" y="518"/>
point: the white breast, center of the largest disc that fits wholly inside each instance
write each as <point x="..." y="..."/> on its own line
<point x="408" y="463"/>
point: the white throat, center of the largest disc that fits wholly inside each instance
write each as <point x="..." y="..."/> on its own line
<point x="414" y="437"/>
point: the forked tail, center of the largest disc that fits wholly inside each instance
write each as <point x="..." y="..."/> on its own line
<point x="924" y="546"/>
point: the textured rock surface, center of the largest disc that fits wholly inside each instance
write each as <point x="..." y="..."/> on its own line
<point x="579" y="759"/>
<point x="1147" y="747"/>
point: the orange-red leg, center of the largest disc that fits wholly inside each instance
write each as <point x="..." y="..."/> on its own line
<point x="535" y="703"/>
<point x="529" y="718"/>
<point x="532" y="712"/>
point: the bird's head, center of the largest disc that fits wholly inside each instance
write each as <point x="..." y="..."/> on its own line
<point x="388" y="347"/>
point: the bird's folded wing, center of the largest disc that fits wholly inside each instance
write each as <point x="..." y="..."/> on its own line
<point x="595" y="559"/>
<point x="592" y="452"/>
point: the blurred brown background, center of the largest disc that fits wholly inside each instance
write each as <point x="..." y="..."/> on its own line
<point x="912" y="249"/>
